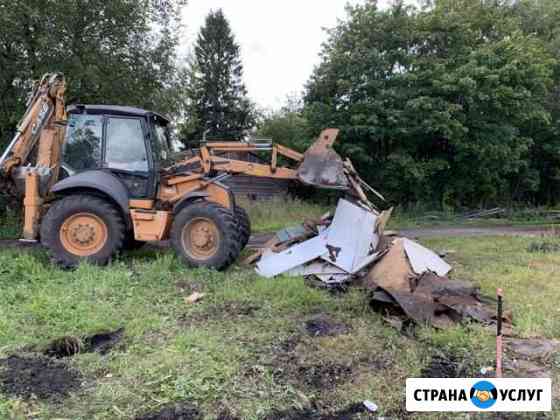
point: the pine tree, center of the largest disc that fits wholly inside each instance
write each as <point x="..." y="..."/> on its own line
<point x="217" y="98"/>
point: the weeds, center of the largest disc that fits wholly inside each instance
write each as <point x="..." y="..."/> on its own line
<point x="545" y="247"/>
<point x="417" y="216"/>
<point x="278" y="213"/>
<point x="247" y="346"/>
<point x="10" y="224"/>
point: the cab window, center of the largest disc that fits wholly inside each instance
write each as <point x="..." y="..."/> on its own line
<point x="82" y="148"/>
<point x="162" y="143"/>
<point x="125" y="145"/>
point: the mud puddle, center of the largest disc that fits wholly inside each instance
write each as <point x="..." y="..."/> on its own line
<point x="38" y="376"/>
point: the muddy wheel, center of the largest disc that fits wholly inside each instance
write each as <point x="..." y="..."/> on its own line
<point x="82" y="228"/>
<point x="205" y="234"/>
<point x="244" y="225"/>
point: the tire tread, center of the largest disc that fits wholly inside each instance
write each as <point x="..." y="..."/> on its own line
<point x="50" y="228"/>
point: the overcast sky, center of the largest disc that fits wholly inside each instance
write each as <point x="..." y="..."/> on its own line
<point x="280" y="40"/>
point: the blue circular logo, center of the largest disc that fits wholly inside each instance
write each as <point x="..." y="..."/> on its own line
<point x="484" y="394"/>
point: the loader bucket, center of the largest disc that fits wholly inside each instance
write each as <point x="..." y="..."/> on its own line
<point x="322" y="167"/>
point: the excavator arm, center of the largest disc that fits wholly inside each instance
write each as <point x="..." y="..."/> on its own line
<point x="32" y="159"/>
<point x="319" y="166"/>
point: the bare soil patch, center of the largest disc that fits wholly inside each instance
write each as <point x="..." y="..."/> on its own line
<point x="220" y="312"/>
<point x="226" y="414"/>
<point x="69" y="346"/>
<point x="323" y="376"/>
<point x="322" y="325"/>
<point x="177" y="411"/>
<point x="37" y="376"/>
<point x="348" y="413"/>
<point x="445" y="365"/>
<point x="287" y="366"/>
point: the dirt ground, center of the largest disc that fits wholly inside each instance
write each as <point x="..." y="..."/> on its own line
<point x="37" y="377"/>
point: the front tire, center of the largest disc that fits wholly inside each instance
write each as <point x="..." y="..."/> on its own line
<point x="244" y="225"/>
<point x="82" y="228"/>
<point x="205" y="234"/>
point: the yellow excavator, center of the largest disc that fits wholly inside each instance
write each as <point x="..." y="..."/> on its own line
<point x="97" y="178"/>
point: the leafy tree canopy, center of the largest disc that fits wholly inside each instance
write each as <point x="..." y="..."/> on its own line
<point x="112" y="52"/>
<point x="435" y="103"/>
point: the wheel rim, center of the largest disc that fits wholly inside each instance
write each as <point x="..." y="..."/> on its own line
<point x="201" y="238"/>
<point x="84" y="234"/>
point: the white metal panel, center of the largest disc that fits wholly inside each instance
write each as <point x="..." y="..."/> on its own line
<point x="352" y="234"/>
<point x="316" y="267"/>
<point x="273" y="264"/>
<point x="333" y="278"/>
<point x="370" y="259"/>
<point x="422" y="259"/>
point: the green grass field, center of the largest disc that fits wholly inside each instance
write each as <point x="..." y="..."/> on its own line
<point x="244" y="349"/>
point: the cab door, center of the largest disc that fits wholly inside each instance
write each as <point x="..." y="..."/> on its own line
<point x="127" y="153"/>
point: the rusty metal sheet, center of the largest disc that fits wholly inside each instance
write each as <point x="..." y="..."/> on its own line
<point x="468" y="307"/>
<point x="424" y="299"/>
<point x="422" y="259"/>
<point x="322" y="166"/>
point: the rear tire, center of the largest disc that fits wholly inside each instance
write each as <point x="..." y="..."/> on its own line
<point x="244" y="225"/>
<point x="82" y="228"/>
<point x="205" y="234"/>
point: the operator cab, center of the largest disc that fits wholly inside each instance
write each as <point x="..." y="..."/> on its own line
<point x="131" y="143"/>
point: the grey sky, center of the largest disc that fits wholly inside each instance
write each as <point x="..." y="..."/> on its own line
<point x="280" y="39"/>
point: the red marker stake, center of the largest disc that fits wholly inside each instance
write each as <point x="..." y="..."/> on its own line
<point x="499" y="336"/>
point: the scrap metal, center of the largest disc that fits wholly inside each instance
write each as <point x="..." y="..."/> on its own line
<point x="398" y="273"/>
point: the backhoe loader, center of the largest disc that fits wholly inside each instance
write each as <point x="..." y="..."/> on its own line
<point x="97" y="178"/>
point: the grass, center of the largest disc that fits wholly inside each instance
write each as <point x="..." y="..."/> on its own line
<point x="229" y="350"/>
<point x="279" y="213"/>
<point x="10" y="224"/>
<point x="243" y="347"/>
<point x="414" y="218"/>
<point x="276" y="214"/>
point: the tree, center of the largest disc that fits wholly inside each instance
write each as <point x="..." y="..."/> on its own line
<point x="217" y="98"/>
<point x="433" y="102"/>
<point x="540" y="18"/>
<point x="287" y="126"/>
<point x="112" y="52"/>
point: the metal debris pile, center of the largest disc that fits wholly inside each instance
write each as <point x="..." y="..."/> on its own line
<point x="399" y="274"/>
